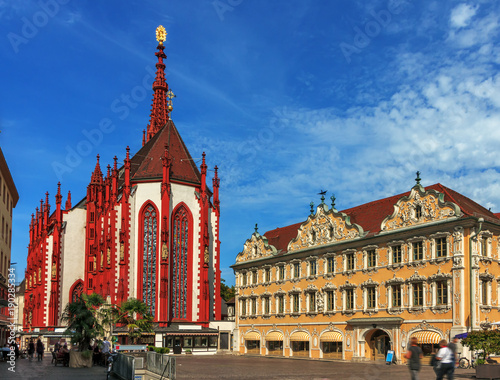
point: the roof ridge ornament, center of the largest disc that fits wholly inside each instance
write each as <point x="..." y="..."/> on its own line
<point x="161" y="34"/>
<point x="418" y="179"/>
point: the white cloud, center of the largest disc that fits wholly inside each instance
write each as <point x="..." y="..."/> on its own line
<point x="461" y="15"/>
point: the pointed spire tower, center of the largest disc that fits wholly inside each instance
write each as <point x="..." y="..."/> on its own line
<point x="161" y="106"/>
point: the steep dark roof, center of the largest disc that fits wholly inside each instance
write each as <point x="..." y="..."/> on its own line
<point x="370" y="215"/>
<point x="147" y="164"/>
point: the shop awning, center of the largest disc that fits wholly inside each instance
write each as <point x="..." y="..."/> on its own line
<point x="274" y="336"/>
<point x="300" y="336"/>
<point x="331" y="336"/>
<point x="427" y="337"/>
<point x="252" y="335"/>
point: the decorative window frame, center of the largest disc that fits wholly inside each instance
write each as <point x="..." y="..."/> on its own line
<point x="343" y="294"/>
<point x="243" y="300"/>
<point x="433" y="280"/>
<point x="253" y="298"/>
<point x="329" y="287"/>
<point x="488" y="279"/>
<point x="390" y="284"/>
<point x="365" y="250"/>
<point x="263" y="297"/>
<point x="390" y="253"/>
<point x="293" y="276"/>
<point x="266" y="268"/>
<point x="433" y="242"/>
<point x="364" y="286"/>
<point x="277" y="295"/>
<point x="254" y="280"/>
<point x="344" y="260"/>
<point x="277" y="266"/>
<point x="244" y="278"/>
<point x="291" y="293"/>
<point x="411" y="255"/>
<point x="311" y="289"/>
<point x="326" y="257"/>
<point x="488" y="236"/>
<point x="414" y="279"/>
<point x="309" y="262"/>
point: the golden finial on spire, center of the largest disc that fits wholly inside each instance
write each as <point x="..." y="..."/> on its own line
<point x="161" y="34"/>
<point x="170" y="96"/>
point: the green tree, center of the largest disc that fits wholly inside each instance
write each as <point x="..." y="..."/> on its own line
<point x="83" y="319"/>
<point x="134" y="314"/>
<point x="487" y="342"/>
<point x="226" y="292"/>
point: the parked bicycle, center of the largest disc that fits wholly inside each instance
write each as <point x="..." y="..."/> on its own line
<point x="464" y="363"/>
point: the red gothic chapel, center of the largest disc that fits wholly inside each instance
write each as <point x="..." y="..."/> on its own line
<point x="148" y="229"/>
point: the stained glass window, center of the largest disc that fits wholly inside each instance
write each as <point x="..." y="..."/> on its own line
<point x="150" y="225"/>
<point x="77" y="292"/>
<point x="180" y="248"/>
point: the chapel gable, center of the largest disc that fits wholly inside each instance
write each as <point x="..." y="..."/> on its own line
<point x="255" y="248"/>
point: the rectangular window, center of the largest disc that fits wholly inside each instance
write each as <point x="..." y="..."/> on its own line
<point x="266" y="305"/>
<point x="254" y="277"/>
<point x="484" y="292"/>
<point x="312" y="268"/>
<point x="295" y="298"/>
<point x="441" y="293"/>
<point x="418" y="251"/>
<point x="371" y="258"/>
<point x="349" y="261"/>
<point x="484" y="246"/>
<point x="330" y="300"/>
<point x="243" y="279"/>
<point x="296" y="270"/>
<point x="349" y="299"/>
<point x="370" y="297"/>
<point x="441" y="248"/>
<point x="268" y="275"/>
<point x="281" y="270"/>
<point x="396" y="296"/>
<point x="330" y="264"/>
<point x="397" y="254"/>
<point x="281" y="304"/>
<point x="91" y="216"/>
<point x="243" y="307"/>
<point x="312" y="302"/>
<point x="418" y="294"/>
<point x="254" y="306"/>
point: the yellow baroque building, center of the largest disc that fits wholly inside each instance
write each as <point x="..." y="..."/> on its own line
<point x="354" y="284"/>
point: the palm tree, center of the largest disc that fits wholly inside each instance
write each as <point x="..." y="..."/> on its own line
<point x="135" y="315"/>
<point x="83" y="320"/>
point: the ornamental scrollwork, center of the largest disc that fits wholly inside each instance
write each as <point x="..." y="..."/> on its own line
<point x="256" y="247"/>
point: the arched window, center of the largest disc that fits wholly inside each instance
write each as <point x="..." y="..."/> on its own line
<point x="180" y="250"/>
<point x="77" y="291"/>
<point x="149" y="242"/>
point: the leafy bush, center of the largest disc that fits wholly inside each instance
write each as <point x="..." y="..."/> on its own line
<point x="151" y="348"/>
<point x="487" y="342"/>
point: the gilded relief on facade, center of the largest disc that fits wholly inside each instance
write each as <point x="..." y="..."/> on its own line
<point x="255" y="248"/>
<point x="420" y="207"/>
<point x="325" y="227"/>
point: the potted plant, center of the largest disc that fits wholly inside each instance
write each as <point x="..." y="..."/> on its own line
<point x="485" y="342"/>
<point x="188" y="351"/>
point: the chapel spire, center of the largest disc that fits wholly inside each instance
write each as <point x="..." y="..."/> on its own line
<point x="160" y="107"/>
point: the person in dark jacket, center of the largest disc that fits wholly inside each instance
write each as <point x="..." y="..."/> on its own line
<point x="31" y="349"/>
<point x="40" y="348"/>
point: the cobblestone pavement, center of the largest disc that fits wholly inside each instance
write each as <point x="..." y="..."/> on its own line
<point x="34" y="370"/>
<point x="246" y="367"/>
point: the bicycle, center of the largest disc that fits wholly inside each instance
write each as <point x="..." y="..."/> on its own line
<point x="464" y="363"/>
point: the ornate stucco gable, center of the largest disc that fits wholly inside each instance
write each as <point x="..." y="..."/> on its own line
<point x="255" y="248"/>
<point x="421" y="206"/>
<point x="325" y="227"/>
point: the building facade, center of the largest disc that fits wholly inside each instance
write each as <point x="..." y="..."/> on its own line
<point x="8" y="200"/>
<point x="355" y="284"/>
<point x="148" y="229"/>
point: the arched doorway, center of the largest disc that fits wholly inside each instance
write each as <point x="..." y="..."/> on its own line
<point x="379" y="343"/>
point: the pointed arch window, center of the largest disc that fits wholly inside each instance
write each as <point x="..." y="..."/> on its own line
<point x="180" y="249"/>
<point x="77" y="291"/>
<point x="150" y="232"/>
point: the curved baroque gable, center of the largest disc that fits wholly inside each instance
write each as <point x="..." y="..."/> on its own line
<point x="325" y="227"/>
<point x="255" y="248"/>
<point x="429" y="204"/>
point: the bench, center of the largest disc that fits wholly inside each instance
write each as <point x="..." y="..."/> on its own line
<point x="56" y="359"/>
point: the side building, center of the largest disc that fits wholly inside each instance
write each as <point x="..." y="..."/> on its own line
<point x="8" y="200"/>
<point x="148" y="229"/>
<point x="354" y="284"/>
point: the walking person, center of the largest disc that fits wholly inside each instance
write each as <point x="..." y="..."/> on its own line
<point x="31" y="349"/>
<point x="446" y="360"/>
<point x="453" y="347"/>
<point x="40" y="348"/>
<point x="414" y="356"/>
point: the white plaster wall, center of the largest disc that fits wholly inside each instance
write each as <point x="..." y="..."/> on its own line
<point x="72" y="252"/>
<point x="49" y="246"/>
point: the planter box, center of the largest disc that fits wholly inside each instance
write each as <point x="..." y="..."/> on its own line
<point x="77" y="360"/>
<point x="488" y="371"/>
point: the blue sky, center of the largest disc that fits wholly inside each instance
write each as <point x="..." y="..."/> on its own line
<point x="287" y="97"/>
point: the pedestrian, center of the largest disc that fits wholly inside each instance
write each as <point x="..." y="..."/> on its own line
<point x="31" y="349"/>
<point x="414" y="356"/>
<point x="446" y="360"/>
<point x="106" y="347"/>
<point x="40" y="348"/>
<point x="57" y="346"/>
<point x="453" y="347"/>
